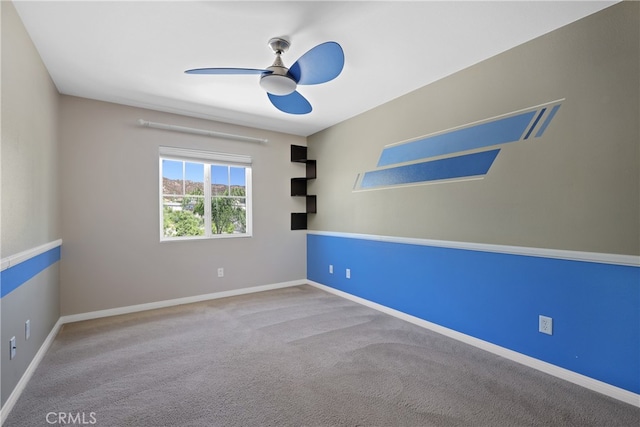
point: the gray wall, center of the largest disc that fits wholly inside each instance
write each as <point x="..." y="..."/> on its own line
<point x="110" y="216"/>
<point x="577" y="188"/>
<point x="30" y="214"/>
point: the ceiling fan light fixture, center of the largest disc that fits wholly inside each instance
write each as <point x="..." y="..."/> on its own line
<point x="277" y="84"/>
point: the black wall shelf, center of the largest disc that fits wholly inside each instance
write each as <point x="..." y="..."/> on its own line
<point x="299" y="187"/>
<point x="298" y="221"/>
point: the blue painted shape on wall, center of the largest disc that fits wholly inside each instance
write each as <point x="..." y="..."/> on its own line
<point x="453" y="167"/>
<point x="13" y="277"/>
<point x="553" y="112"/>
<point x="535" y="123"/>
<point x="500" y="131"/>
<point x="498" y="297"/>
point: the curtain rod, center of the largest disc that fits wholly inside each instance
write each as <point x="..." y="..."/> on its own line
<point x="203" y="132"/>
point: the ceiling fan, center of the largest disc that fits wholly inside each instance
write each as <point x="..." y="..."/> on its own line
<point x="320" y="64"/>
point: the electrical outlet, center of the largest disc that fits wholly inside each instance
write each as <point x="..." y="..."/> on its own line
<point x="545" y="325"/>
<point x="27" y="329"/>
<point x="348" y="273"/>
<point x="330" y="268"/>
<point x="12" y="348"/>
<point x="220" y="272"/>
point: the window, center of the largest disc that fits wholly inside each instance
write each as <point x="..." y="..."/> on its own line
<point x="204" y="194"/>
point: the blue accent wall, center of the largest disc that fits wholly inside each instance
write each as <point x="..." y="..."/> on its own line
<point x="13" y="277"/>
<point x="497" y="298"/>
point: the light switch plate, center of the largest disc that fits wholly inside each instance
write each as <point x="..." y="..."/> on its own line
<point x="12" y="348"/>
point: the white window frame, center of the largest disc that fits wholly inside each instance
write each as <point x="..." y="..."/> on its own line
<point x="208" y="158"/>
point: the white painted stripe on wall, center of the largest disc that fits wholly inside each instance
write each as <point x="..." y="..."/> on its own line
<point x="13" y="260"/>
<point x="562" y="373"/>
<point x="616" y="259"/>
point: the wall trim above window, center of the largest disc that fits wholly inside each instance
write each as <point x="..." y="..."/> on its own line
<point x="203" y="132"/>
<point x="188" y="154"/>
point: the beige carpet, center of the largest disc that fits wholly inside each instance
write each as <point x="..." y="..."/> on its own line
<point x="291" y="357"/>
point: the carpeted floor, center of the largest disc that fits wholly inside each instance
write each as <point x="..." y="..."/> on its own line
<point x="291" y="357"/>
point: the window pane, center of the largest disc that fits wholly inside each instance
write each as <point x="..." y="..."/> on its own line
<point x="181" y="216"/>
<point x="194" y="178"/>
<point x="171" y="177"/>
<point x="237" y="176"/>
<point x="238" y="181"/>
<point x="241" y="216"/>
<point x="228" y="215"/>
<point x="171" y="169"/>
<point x="219" y="180"/>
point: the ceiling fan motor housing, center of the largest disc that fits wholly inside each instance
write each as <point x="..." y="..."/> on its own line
<point x="279" y="45"/>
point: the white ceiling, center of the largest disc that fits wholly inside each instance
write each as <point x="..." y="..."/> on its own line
<point x="134" y="53"/>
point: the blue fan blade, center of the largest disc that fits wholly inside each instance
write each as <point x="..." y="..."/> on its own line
<point x="319" y="65"/>
<point x="294" y="103"/>
<point x="226" y="71"/>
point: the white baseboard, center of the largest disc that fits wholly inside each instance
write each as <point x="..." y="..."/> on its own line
<point x="17" y="391"/>
<point x="178" y="301"/>
<point x="565" y="374"/>
<point x="562" y="373"/>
